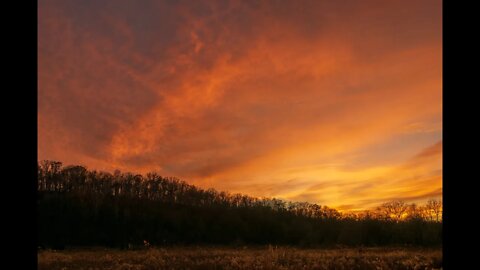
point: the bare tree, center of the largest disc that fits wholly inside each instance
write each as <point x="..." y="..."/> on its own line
<point x="434" y="209"/>
<point x="394" y="209"/>
<point x="414" y="211"/>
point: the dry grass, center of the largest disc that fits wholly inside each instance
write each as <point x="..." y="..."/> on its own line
<point x="245" y="258"/>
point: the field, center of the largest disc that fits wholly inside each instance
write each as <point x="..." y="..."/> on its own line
<point x="242" y="258"/>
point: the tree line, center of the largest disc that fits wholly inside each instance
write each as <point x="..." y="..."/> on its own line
<point x="80" y="207"/>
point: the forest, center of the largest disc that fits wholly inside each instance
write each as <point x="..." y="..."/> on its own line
<point x="77" y="207"/>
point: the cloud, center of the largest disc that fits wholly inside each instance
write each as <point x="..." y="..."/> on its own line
<point x="413" y="180"/>
<point x="434" y="150"/>
<point x="241" y="95"/>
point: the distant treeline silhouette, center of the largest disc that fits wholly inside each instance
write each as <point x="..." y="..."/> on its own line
<point x="78" y="207"/>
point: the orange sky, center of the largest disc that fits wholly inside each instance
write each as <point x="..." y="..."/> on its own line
<point x="331" y="102"/>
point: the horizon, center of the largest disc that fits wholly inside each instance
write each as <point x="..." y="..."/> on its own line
<point x="337" y="104"/>
<point x="168" y="177"/>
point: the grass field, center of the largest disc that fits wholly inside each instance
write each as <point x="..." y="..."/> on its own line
<point x="242" y="258"/>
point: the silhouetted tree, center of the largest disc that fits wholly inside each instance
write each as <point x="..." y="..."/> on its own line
<point x="81" y="207"/>
<point x="394" y="210"/>
<point x="434" y="209"/>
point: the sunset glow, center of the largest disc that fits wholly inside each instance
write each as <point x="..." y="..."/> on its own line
<point x="332" y="102"/>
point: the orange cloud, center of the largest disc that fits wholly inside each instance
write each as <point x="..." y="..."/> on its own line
<point x="308" y="100"/>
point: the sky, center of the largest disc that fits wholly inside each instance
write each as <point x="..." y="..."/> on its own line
<point x="337" y="103"/>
